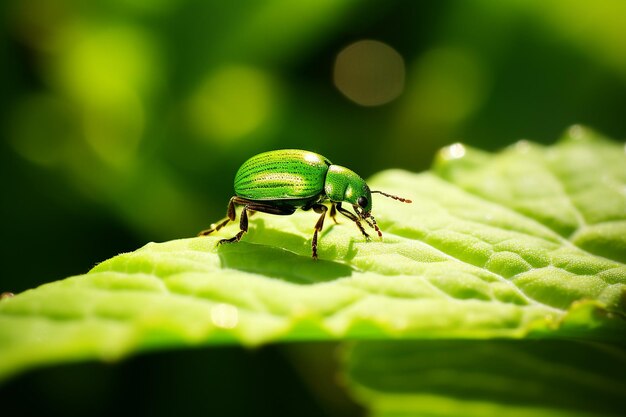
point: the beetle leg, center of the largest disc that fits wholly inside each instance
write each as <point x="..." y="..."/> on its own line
<point x="231" y="214"/>
<point x="251" y="207"/>
<point x="354" y="218"/>
<point x="371" y="223"/>
<point x="375" y="226"/>
<point x="243" y="227"/>
<point x="318" y="208"/>
<point x="333" y="213"/>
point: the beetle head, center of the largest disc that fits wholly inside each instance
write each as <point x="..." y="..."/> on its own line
<point x="343" y="184"/>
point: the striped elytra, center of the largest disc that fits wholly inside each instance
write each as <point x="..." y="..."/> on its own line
<point x="282" y="174"/>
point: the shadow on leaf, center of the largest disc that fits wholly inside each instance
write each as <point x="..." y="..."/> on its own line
<point x="279" y="263"/>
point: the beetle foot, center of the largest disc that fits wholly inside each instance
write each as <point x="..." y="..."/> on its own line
<point x="233" y="239"/>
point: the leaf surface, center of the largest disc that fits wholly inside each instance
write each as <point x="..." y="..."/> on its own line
<point x="526" y="242"/>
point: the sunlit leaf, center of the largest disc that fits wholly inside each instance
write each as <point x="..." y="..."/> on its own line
<point x="488" y="249"/>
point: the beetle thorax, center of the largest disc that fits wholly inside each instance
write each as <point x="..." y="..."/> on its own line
<point x="343" y="184"/>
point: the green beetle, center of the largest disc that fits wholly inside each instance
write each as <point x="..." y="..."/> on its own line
<point x="281" y="181"/>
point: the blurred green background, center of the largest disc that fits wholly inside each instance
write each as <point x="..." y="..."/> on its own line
<point x="124" y="121"/>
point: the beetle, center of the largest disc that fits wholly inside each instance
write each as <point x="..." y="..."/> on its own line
<point x="282" y="181"/>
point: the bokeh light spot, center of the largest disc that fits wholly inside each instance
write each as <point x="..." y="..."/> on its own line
<point x="114" y="130"/>
<point x="454" y="151"/>
<point x="446" y="86"/>
<point x="225" y="316"/>
<point x="109" y="72"/>
<point x="576" y="132"/>
<point x="449" y="85"/>
<point x="231" y="103"/>
<point x="369" y="72"/>
<point x="101" y="64"/>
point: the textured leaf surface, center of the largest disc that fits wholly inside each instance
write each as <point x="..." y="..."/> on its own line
<point x="525" y="242"/>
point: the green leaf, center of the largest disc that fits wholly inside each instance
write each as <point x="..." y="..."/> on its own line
<point x="522" y="243"/>
<point x="553" y="378"/>
<point x="576" y="188"/>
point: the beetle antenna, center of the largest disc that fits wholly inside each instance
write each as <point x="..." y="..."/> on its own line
<point x="395" y="197"/>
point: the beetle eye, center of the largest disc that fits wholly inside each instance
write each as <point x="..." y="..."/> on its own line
<point x="362" y="201"/>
